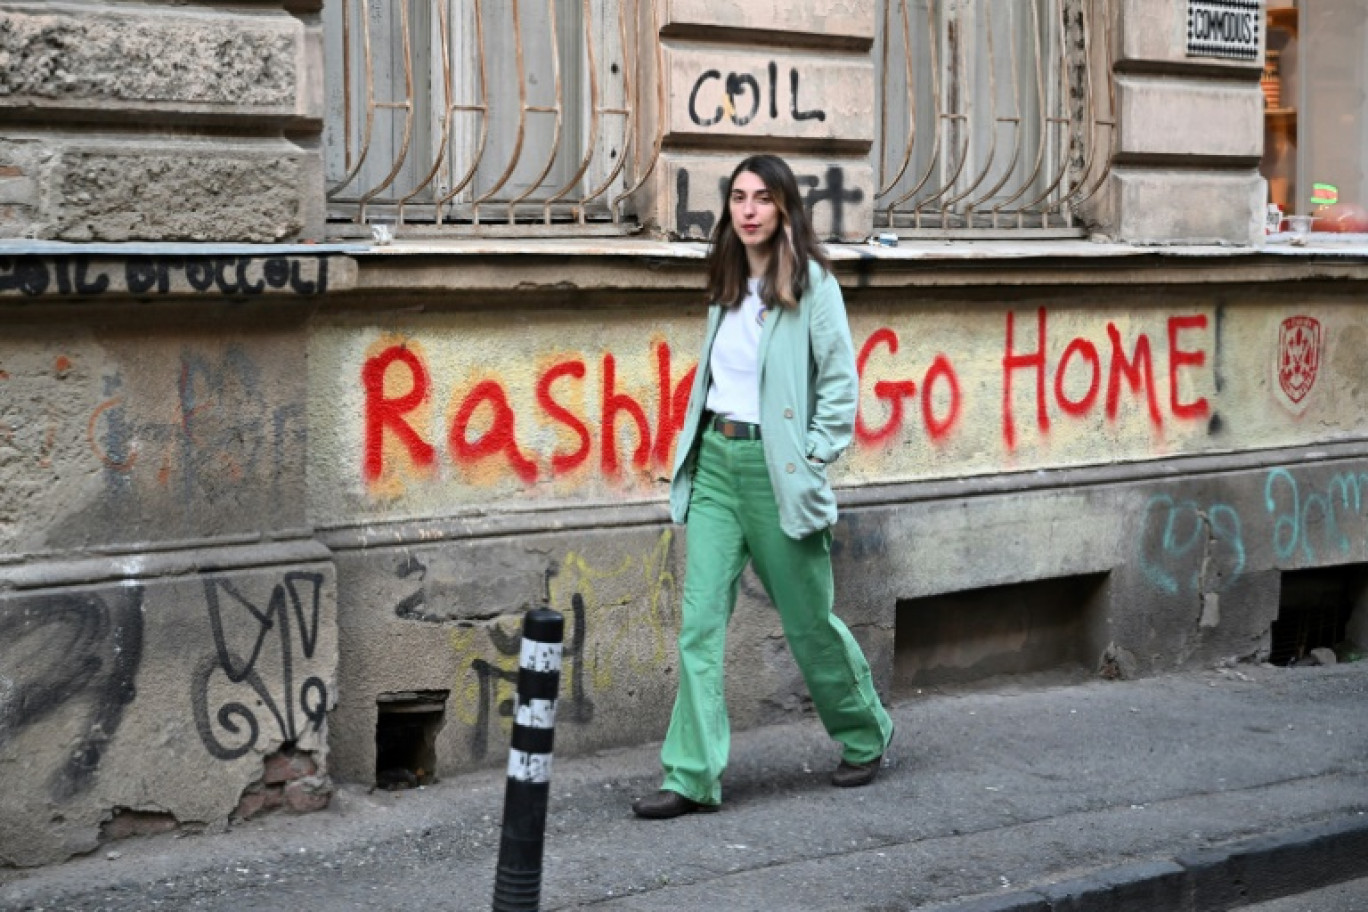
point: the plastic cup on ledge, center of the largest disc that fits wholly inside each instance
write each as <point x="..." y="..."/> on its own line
<point x="383" y="229"/>
<point x="1300" y="226"/>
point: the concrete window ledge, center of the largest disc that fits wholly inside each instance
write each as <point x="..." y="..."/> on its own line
<point x="362" y="275"/>
<point x="419" y="268"/>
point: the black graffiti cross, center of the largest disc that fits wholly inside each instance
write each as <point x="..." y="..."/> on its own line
<point x="829" y="189"/>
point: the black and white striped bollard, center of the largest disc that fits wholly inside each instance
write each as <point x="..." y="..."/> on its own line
<point x="517" y="881"/>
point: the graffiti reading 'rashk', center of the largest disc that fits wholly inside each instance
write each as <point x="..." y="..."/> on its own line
<point x="388" y="414"/>
<point x="293" y="609"/>
<point x="71" y="652"/>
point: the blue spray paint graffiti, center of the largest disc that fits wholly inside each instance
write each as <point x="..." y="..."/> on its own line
<point x="1308" y="525"/>
<point x="1297" y="517"/>
<point x="1181" y="543"/>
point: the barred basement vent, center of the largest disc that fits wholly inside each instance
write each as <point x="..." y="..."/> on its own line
<point x="406" y="728"/>
<point x="1314" y="610"/>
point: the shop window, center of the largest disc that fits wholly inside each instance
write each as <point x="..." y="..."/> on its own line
<point x="1315" y="87"/>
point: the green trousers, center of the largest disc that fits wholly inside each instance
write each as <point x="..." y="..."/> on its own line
<point x="733" y="519"/>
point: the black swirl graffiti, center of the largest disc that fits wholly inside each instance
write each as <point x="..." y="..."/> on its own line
<point x="297" y="597"/>
<point x="73" y="651"/>
<point x="830" y="189"/>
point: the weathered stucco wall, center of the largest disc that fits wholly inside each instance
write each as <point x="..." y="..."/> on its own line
<point x="470" y="463"/>
<point x="118" y="436"/>
<point x="239" y="491"/>
<point x="1187" y="568"/>
<point x="243" y="504"/>
<point x="131" y="426"/>
<point x="161" y="698"/>
<point x="168" y="629"/>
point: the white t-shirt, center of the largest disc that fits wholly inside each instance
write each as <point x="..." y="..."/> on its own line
<point x="735" y="362"/>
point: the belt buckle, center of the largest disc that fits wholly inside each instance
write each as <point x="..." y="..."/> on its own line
<point x="734" y="430"/>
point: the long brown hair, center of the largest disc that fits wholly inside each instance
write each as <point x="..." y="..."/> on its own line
<point x="792" y="247"/>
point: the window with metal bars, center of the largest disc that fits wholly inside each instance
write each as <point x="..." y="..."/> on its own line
<point x="994" y="115"/>
<point x="484" y="113"/>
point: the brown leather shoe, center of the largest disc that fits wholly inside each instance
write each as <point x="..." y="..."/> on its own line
<point x="854" y="775"/>
<point x="666" y="804"/>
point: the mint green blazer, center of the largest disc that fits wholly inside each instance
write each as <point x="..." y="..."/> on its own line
<point x="808" y="395"/>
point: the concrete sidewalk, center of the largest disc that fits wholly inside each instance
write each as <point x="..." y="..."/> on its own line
<point x="1205" y="790"/>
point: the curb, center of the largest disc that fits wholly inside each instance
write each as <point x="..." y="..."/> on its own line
<point x="1205" y="880"/>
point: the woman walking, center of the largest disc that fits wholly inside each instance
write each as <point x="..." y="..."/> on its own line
<point x="772" y="405"/>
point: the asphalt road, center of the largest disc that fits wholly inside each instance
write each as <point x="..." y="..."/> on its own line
<point x="985" y="792"/>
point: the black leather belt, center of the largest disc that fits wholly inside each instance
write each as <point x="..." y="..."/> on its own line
<point x="736" y="430"/>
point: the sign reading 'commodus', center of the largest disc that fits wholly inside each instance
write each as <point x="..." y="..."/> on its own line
<point x="1228" y="29"/>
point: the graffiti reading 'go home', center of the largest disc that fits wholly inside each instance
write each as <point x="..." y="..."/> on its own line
<point x="1075" y="378"/>
<point x="1087" y="378"/>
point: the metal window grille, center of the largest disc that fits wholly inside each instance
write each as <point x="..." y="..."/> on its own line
<point x="488" y="116"/>
<point x="525" y="116"/>
<point x="994" y="115"/>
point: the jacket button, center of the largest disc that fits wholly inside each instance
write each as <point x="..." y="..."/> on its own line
<point x="788" y="413"/>
<point x="790" y="468"/>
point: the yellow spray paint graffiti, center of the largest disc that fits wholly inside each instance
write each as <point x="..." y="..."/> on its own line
<point x="473" y="647"/>
<point x="638" y="639"/>
<point x="606" y="629"/>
